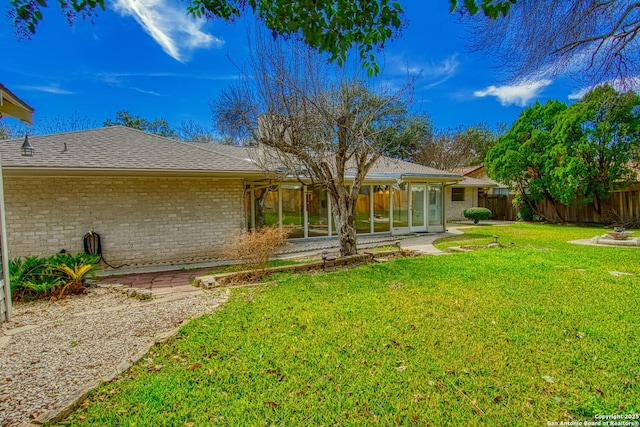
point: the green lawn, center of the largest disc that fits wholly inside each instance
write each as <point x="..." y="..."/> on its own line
<point x="536" y="332"/>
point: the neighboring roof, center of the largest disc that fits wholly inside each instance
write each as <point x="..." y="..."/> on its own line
<point x="475" y="182"/>
<point x="117" y="148"/>
<point x="466" y="170"/>
<point x="392" y="168"/>
<point x="12" y="106"/>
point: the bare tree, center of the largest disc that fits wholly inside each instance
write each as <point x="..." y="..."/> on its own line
<point x="191" y="131"/>
<point x="593" y="40"/>
<point x="452" y="148"/>
<point x="10" y="130"/>
<point x="60" y="123"/>
<point x="315" y="123"/>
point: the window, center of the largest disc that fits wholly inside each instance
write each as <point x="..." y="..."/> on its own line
<point x="292" y="209"/>
<point x="381" y="208"/>
<point x="457" y="194"/>
<point x="363" y="210"/>
<point x="400" y="196"/>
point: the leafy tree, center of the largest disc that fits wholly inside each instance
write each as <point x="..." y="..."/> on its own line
<point x="527" y="153"/>
<point x="592" y="38"/>
<point x="331" y="26"/>
<point x="314" y="123"/>
<point x="158" y="126"/>
<point x="599" y="134"/>
<point x="573" y="155"/>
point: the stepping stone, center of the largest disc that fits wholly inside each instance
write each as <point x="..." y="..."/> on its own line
<point x="620" y="273"/>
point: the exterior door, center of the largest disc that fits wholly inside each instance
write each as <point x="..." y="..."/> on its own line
<point x="418" y="207"/>
<point x="435" y="219"/>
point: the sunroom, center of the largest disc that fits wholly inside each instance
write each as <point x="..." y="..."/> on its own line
<point x="406" y="204"/>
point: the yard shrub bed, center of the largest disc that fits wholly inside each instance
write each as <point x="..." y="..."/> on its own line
<point x="33" y="277"/>
<point x="540" y="332"/>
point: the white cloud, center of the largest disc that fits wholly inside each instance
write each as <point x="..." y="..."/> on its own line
<point x="519" y="94"/>
<point x="447" y="67"/>
<point x="435" y="73"/>
<point x="167" y="22"/>
<point x="54" y="89"/>
<point x="117" y="78"/>
<point x="147" y="92"/>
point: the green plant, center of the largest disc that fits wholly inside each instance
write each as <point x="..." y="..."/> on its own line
<point x="76" y="277"/>
<point x="31" y="276"/>
<point x="477" y="214"/>
<point x="34" y="277"/>
<point x="65" y="258"/>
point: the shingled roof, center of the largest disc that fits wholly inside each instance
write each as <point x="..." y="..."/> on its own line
<point x="475" y="182"/>
<point x="123" y="149"/>
<point x="118" y="148"/>
<point x="388" y="167"/>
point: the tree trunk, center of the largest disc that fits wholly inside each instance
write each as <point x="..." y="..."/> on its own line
<point x="343" y="210"/>
<point x="345" y="225"/>
<point x="260" y="196"/>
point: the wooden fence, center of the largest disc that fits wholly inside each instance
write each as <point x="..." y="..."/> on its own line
<point x="500" y="205"/>
<point x="622" y="208"/>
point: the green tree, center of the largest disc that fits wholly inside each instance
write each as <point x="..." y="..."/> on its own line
<point x="527" y="153"/>
<point x="158" y="126"/>
<point x="575" y="155"/>
<point x="331" y="26"/>
<point x="599" y="134"/>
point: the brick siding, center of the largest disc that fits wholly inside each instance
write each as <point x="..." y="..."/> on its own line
<point x="141" y="220"/>
<point x="455" y="209"/>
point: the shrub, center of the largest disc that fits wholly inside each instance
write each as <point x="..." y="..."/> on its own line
<point x="255" y="247"/>
<point x="525" y="211"/>
<point x="477" y="214"/>
<point x="33" y="277"/>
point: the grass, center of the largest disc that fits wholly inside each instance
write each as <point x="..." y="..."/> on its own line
<point x="536" y="332"/>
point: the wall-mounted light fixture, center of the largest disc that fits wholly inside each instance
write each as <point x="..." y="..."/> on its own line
<point x="27" y="148"/>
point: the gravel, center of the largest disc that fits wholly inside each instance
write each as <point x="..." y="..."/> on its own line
<point x="53" y="351"/>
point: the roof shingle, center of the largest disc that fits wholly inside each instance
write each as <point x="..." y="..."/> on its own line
<point x="119" y="148"/>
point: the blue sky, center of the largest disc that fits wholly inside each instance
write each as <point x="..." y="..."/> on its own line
<point x="147" y="57"/>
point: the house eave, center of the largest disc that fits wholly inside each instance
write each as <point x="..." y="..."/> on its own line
<point x="61" y="172"/>
<point x="12" y="106"/>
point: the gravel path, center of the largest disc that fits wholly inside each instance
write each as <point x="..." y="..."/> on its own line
<point x="53" y="351"/>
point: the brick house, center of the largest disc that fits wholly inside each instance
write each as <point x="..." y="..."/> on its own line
<point x="158" y="201"/>
<point x="476" y="190"/>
